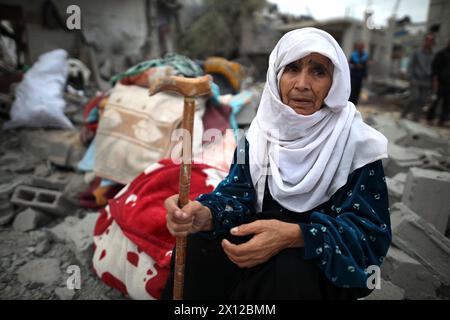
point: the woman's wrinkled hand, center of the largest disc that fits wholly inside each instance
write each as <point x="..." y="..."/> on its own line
<point x="270" y="237"/>
<point x="192" y="218"/>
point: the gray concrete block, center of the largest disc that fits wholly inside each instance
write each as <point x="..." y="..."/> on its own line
<point x="421" y="240"/>
<point x="388" y="291"/>
<point x="427" y="192"/>
<point x="401" y="159"/>
<point x="55" y="181"/>
<point x="30" y="219"/>
<point x="43" y="271"/>
<point x="396" y="186"/>
<point x="416" y="281"/>
<point x="420" y="136"/>
<point x="43" y="199"/>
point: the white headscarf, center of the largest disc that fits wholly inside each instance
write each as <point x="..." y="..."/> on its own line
<point x="314" y="154"/>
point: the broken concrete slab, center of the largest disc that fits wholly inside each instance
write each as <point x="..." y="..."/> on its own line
<point x="401" y="159"/>
<point x="388" y="291"/>
<point x="61" y="147"/>
<point x="79" y="234"/>
<point x="46" y="200"/>
<point x="42" y="271"/>
<point x="427" y="193"/>
<point x="396" y="186"/>
<point x="30" y="219"/>
<point x="421" y="240"/>
<point x="420" y="136"/>
<point x="59" y="233"/>
<point x="417" y="282"/>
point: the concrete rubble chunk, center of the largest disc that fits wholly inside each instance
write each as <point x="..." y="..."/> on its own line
<point x="420" y="136"/>
<point x="427" y="192"/>
<point x="388" y="291"/>
<point x="388" y="126"/>
<point x="421" y="240"/>
<point x="54" y="181"/>
<point x="30" y="219"/>
<point x="59" y="233"/>
<point x="43" y="271"/>
<point x="417" y="282"/>
<point x="46" y="200"/>
<point x="79" y="234"/>
<point x="396" y="186"/>
<point x="401" y="159"/>
<point x="61" y="147"/>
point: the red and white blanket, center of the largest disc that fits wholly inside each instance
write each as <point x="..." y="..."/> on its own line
<point x="132" y="246"/>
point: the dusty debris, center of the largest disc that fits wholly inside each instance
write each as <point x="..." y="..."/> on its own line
<point x="41" y="271"/>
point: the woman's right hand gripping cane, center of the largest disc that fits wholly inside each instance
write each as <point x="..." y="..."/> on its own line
<point x="192" y="218"/>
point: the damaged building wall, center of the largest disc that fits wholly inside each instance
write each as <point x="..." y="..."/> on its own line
<point x="124" y="22"/>
<point x="438" y="13"/>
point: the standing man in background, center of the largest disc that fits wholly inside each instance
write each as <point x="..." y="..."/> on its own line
<point x="441" y="85"/>
<point x="419" y="72"/>
<point x="358" y="70"/>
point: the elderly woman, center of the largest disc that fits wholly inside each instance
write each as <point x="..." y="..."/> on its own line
<point x="304" y="210"/>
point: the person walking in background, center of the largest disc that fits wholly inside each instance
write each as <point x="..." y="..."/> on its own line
<point x="358" y="71"/>
<point x="441" y="85"/>
<point x="419" y="73"/>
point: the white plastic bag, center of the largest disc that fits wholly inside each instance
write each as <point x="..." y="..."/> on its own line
<point x="39" y="99"/>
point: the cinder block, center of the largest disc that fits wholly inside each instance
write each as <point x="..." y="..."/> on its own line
<point x="421" y="240"/>
<point x="42" y="199"/>
<point x="427" y="192"/>
<point x="53" y="182"/>
<point x="402" y="270"/>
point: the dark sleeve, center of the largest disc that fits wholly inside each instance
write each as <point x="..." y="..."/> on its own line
<point x="357" y="234"/>
<point x="436" y="64"/>
<point x="233" y="201"/>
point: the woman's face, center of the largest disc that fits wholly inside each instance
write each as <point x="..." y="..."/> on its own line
<point x="305" y="83"/>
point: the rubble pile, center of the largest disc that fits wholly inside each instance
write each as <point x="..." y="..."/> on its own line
<point x="418" y="179"/>
<point x="43" y="230"/>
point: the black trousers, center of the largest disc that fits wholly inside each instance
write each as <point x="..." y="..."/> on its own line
<point x="356" y="85"/>
<point x="210" y="275"/>
<point x="444" y="100"/>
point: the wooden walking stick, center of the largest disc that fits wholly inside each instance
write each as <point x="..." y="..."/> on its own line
<point x="190" y="88"/>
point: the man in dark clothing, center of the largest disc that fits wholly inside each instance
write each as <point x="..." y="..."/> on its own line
<point x="441" y="84"/>
<point x="358" y="71"/>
